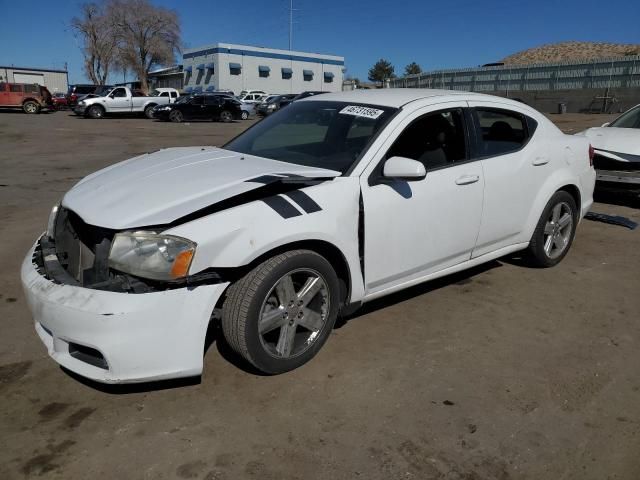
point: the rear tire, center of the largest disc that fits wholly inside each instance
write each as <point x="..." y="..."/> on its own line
<point x="555" y="231"/>
<point x="31" y="107"/>
<point x="226" y="116"/>
<point x="245" y="115"/>
<point x="95" y="112"/>
<point x="279" y="315"/>
<point x="148" y="112"/>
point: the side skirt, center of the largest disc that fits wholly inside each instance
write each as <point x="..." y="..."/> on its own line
<point x="448" y="271"/>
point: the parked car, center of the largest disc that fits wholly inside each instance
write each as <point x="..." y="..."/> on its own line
<point x="221" y="107"/>
<point x="248" y="109"/>
<point x="335" y="201"/>
<point x="273" y="104"/>
<point x="300" y="96"/>
<point x="76" y="92"/>
<point x="29" y="97"/>
<point x="59" y="100"/>
<point x="121" y="100"/>
<point x="617" y="151"/>
<point x="251" y="96"/>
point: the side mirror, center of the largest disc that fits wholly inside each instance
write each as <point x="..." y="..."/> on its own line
<point x="605" y="124"/>
<point x="402" y="168"/>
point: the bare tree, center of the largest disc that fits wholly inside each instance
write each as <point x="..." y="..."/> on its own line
<point x="146" y="35"/>
<point x="99" y="46"/>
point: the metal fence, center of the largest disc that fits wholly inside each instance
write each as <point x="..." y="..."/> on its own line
<point x="621" y="72"/>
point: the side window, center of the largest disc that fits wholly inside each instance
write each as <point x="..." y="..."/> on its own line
<point x="197" y="101"/>
<point x="213" y="100"/>
<point x="436" y="139"/>
<point x="15" y="88"/>
<point x="119" y="93"/>
<point x="32" y="88"/>
<point x="3" y="87"/>
<point x="174" y="94"/>
<point x="164" y="94"/>
<point x="500" y="131"/>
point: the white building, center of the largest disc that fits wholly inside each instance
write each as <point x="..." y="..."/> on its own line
<point x="54" y="80"/>
<point x="224" y="66"/>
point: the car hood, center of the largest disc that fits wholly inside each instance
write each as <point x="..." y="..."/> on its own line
<point x="161" y="187"/>
<point x="616" y="140"/>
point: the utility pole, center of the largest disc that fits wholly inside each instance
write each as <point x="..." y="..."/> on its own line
<point x="290" y="24"/>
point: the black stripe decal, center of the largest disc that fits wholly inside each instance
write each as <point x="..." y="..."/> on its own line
<point x="307" y="203"/>
<point x="266" y="179"/>
<point x="282" y="207"/>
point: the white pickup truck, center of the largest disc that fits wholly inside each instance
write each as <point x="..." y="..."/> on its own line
<point x="121" y="100"/>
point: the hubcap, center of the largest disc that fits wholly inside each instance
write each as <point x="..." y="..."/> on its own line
<point x="226" y="116"/>
<point x="557" y="230"/>
<point x="294" y="313"/>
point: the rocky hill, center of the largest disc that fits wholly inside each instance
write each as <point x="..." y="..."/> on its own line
<point x="571" y="51"/>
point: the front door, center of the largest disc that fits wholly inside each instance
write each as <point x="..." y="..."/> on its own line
<point x="119" y="101"/>
<point x="415" y="228"/>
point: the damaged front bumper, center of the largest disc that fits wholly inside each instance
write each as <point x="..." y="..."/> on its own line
<point x="117" y="337"/>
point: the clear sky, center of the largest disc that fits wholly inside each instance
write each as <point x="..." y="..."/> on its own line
<point x="436" y="34"/>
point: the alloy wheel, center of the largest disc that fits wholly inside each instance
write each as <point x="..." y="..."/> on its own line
<point x="558" y="230"/>
<point x="294" y="313"/>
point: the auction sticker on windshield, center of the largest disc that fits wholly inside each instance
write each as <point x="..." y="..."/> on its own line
<point x="359" y="111"/>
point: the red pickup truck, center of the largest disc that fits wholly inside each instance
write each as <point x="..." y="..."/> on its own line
<point x="29" y="97"/>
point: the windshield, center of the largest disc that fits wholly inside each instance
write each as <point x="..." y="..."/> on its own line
<point x="629" y="119"/>
<point x="319" y="134"/>
<point x="184" y="99"/>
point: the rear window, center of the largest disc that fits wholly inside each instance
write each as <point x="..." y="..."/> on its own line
<point x="501" y="131"/>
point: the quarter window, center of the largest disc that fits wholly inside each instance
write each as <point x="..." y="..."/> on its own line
<point x="500" y="131"/>
<point x="436" y="140"/>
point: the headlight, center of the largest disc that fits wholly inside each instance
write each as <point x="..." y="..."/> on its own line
<point x="271" y="106"/>
<point x="166" y="107"/>
<point x="151" y="255"/>
<point x="51" y="224"/>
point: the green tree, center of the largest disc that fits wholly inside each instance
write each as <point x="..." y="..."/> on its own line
<point x="412" y="69"/>
<point x="381" y="71"/>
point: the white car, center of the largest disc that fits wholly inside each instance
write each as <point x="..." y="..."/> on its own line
<point x="329" y="203"/>
<point x="617" y="149"/>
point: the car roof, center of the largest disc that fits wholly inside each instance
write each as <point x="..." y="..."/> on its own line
<point x="397" y="97"/>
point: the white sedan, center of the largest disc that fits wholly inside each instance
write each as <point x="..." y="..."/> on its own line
<point x="327" y="204"/>
<point x="617" y="149"/>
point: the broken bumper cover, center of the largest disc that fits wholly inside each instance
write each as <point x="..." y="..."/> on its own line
<point x="114" y="337"/>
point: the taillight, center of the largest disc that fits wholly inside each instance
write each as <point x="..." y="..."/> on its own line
<point x="592" y="153"/>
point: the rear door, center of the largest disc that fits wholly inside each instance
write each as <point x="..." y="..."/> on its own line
<point x="213" y="107"/>
<point x="515" y="168"/>
<point x="16" y="94"/>
<point x="194" y="109"/>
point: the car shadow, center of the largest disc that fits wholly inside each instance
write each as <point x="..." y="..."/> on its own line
<point x="622" y="198"/>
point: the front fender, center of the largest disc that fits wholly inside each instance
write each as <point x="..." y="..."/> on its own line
<point x="238" y="236"/>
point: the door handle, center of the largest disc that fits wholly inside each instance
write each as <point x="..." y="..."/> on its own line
<point x="467" y="179"/>
<point x="540" y="161"/>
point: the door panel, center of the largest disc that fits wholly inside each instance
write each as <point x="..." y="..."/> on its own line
<point x="415" y="228"/>
<point x="120" y="101"/>
<point x="512" y="181"/>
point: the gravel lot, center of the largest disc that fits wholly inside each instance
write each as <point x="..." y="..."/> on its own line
<point x="502" y="372"/>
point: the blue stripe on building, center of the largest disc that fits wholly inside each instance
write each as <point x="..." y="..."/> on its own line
<point x="251" y="53"/>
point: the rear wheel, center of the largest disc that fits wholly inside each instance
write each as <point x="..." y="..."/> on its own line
<point x="148" y="112"/>
<point x="554" y="233"/>
<point x="176" y="116"/>
<point x="226" y="116"/>
<point x="279" y="314"/>
<point x="244" y="115"/>
<point x="31" y="107"/>
<point x="95" y="111"/>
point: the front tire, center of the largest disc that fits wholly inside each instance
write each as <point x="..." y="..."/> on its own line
<point x="244" y="115"/>
<point x="555" y="231"/>
<point x="176" y="116"/>
<point x="95" y="112"/>
<point x="31" y="107"/>
<point x="279" y="314"/>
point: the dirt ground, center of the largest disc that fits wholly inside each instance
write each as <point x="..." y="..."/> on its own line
<point x="503" y="372"/>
